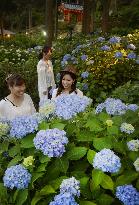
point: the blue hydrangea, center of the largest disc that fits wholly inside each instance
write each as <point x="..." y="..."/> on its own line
<point x="101" y="39"/>
<point x="71" y="186"/>
<point x="131" y="46"/>
<point x="127" y="128"/>
<point x="118" y="55"/>
<point x="84" y="57"/>
<point x="51" y="142"/>
<point x="17" y="177"/>
<point x="85" y="74"/>
<point x="112" y="106"/>
<point x="114" y="40"/>
<point x="66" y="57"/>
<point x="105" y="48"/>
<point x="63" y="63"/>
<point x="85" y="86"/>
<point x="21" y="126"/>
<point x="99" y="108"/>
<point x="132" y="107"/>
<point x="131" y="55"/>
<point x="127" y="194"/>
<point x="133" y="145"/>
<point x="67" y="106"/>
<point x="63" y="199"/>
<point x="107" y="161"/>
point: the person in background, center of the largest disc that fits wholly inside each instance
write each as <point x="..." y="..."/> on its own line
<point x="67" y="83"/>
<point x="17" y="103"/>
<point x="46" y="80"/>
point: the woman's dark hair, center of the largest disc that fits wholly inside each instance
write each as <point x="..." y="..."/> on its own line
<point x="45" y="50"/>
<point x="14" y="80"/>
<point x="73" y="86"/>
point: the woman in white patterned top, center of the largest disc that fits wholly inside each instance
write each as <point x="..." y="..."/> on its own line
<point x="45" y="73"/>
<point x="17" y="103"/>
<point x="67" y="83"/>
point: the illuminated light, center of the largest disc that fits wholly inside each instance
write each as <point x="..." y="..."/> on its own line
<point x="26" y="33"/>
<point x="44" y="33"/>
<point x="8" y="35"/>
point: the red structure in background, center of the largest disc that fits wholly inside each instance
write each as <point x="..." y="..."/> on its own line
<point x="69" y="9"/>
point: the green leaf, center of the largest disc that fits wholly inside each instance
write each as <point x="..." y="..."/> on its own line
<point x="97" y="177"/>
<point x="36" y="198"/>
<point x="76" y="153"/>
<point x="107" y="182"/>
<point x="27" y="141"/>
<point x="43" y="125"/>
<point x="127" y="178"/>
<point x="103" y="117"/>
<point x="58" y="125"/>
<point x="3" y="191"/>
<point x="15" y="161"/>
<point x="87" y="203"/>
<point x="48" y="189"/>
<point x="113" y="130"/>
<point x="85" y="136"/>
<point x="94" y="125"/>
<point x="36" y="176"/>
<point x="44" y="159"/>
<point x="85" y="188"/>
<point x="42" y="167"/>
<point x="90" y="156"/>
<point x="101" y="143"/>
<point x="64" y="164"/>
<point x="4" y="146"/>
<point x="105" y="199"/>
<point x="14" y="150"/>
<point x="21" y="196"/>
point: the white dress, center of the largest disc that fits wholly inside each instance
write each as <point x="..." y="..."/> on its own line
<point x="9" y="111"/>
<point x="45" y="77"/>
<point x="79" y="93"/>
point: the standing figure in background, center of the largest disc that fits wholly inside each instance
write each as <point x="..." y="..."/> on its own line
<point x="67" y="85"/>
<point x="17" y="103"/>
<point x="46" y="80"/>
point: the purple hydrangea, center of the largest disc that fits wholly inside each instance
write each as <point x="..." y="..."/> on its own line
<point x="101" y="39"/>
<point x="131" y="55"/>
<point x="67" y="106"/>
<point x="107" y="161"/>
<point x="112" y="106"/>
<point x="105" y="48"/>
<point x="132" y="107"/>
<point x="84" y="57"/>
<point x="63" y="199"/>
<point x="85" y="74"/>
<point x="127" y="128"/>
<point x="71" y="186"/>
<point x="21" y="126"/>
<point x="51" y="142"/>
<point x="118" y="55"/>
<point x="114" y="40"/>
<point x="66" y="57"/>
<point x="133" y="145"/>
<point x="127" y="194"/>
<point x="131" y="46"/>
<point x="17" y="177"/>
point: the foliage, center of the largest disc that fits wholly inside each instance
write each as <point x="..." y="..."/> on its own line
<point x="88" y="134"/>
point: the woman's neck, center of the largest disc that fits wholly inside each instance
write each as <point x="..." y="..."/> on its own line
<point x="17" y="100"/>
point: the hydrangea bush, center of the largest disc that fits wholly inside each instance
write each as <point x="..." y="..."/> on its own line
<point x="89" y="158"/>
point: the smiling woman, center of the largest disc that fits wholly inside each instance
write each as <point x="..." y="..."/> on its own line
<point x="17" y="103"/>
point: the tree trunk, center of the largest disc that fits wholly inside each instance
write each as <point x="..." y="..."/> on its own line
<point x="105" y="15"/>
<point x="88" y="16"/>
<point x="30" y="17"/>
<point x="50" y="5"/>
<point x="1" y="28"/>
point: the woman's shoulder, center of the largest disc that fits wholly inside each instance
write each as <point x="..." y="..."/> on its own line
<point x="3" y="103"/>
<point x="40" y="63"/>
<point x="27" y="96"/>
